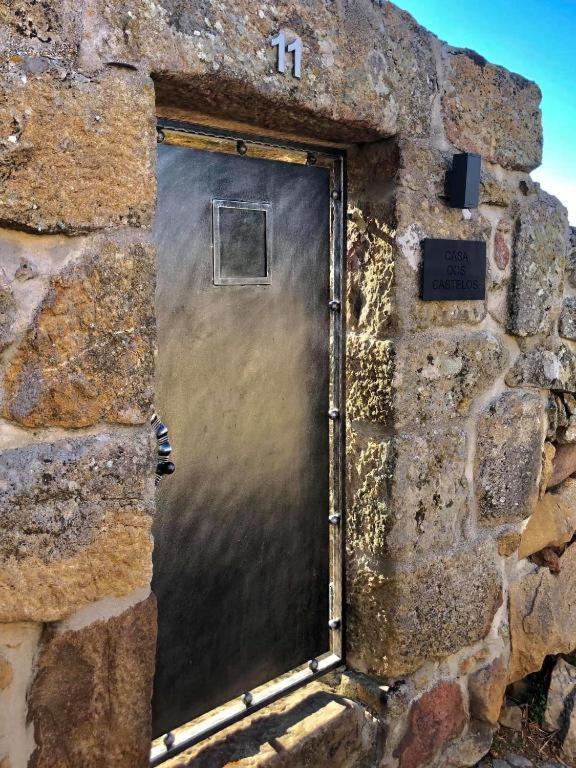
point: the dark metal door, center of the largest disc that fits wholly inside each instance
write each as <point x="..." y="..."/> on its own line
<point x="241" y="555"/>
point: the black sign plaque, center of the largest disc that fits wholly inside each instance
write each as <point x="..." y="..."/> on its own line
<point x="454" y="270"/>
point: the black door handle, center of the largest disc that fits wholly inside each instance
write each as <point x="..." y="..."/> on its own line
<point x="163" y="467"/>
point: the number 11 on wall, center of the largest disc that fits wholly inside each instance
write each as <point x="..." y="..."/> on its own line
<point x="294" y="47"/>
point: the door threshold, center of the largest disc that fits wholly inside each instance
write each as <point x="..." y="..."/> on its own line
<point x="190" y="735"/>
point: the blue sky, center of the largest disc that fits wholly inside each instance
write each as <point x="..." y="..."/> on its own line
<point x="536" y="38"/>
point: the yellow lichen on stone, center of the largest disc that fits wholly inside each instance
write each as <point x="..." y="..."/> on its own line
<point x="371" y="271"/>
<point x="370" y="371"/>
<point x="116" y="562"/>
<point x="370" y="471"/>
<point x="6" y="673"/>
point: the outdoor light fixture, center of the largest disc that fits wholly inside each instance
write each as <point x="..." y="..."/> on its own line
<point x="464" y="183"/>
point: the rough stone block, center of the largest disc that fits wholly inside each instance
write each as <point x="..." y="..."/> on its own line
<point x="75" y="523"/>
<point x="495" y="187"/>
<point x="18" y="647"/>
<point x="6" y="673"/>
<point x="509" y="457"/>
<point x="312" y="727"/>
<point x="567" y="322"/>
<point x="429" y="492"/>
<point x="539" y="257"/>
<point x="369" y="369"/>
<point x="561" y="465"/>
<point x="491" y="111"/>
<point x="436" y="718"/>
<point x="398" y="619"/>
<point x="90" y="700"/>
<point x="486" y="688"/>
<point x="437" y="377"/>
<point x="545" y="369"/>
<point x="41" y="28"/>
<point x="569" y="742"/>
<point x="468" y="750"/>
<point x="359" y="82"/>
<point x="87" y="356"/>
<point x="370" y="272"/>
<point x="408" y="495"/>
<point x="91" y="169"/>
<point x="537" y="627"/>
<point x="499" y="270"/>
<point x="8" y="310"/>
<point x="560" y="691"/>
<point x="571" y="260"/>
<point x="27" y="262"/>
<point x="369" y="472"/>
<point x="553" y="522"/>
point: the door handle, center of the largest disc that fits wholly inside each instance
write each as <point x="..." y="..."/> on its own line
<point x="163" y="467"/>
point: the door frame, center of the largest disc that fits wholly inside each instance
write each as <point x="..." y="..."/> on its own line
<point x="334" y="159"/>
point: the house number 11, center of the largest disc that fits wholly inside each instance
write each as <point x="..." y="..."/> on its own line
<point x="294" y="47"/>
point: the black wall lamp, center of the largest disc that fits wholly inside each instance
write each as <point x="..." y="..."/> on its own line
<point x="464" y="180"/>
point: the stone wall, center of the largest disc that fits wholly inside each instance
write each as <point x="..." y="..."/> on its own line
<point x="459" y="412"/>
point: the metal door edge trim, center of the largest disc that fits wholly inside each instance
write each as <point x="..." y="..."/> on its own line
<point x="187" y="737"/>
<point x="168" y="130"/>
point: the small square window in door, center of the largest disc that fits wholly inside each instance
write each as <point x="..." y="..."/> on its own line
<point x="242" y="240"/>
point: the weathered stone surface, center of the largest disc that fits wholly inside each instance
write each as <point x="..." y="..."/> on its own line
<point x="90" y="700"/>
<point x="495" y="187"/>
<point x="357" y="83"/>
<point x="369" y="369"/>
<point x="486" y="688"/>
<point x="502" y="244"/>
<point x="75" y="523"/>
<point x="563" y="465"/>
<point x="428" y="493"/>
<point x="437" y="377"/>
<point x="95" y="169"/>
<point x="370" y="261"/>
<point x="545" y="369"/>
<point x="553" y="521"/>
<point x="561" y="692"/>
<point x="538" y="266"/>
<point x="519" y="761"/>
<point x="571" y="260"/>
<point x="18" y="648"/>
<point x="537" y="627"/>
<point x="491" y="111"/>
<point x="6" y="673"/>
<point x="435" y="718"/>
<point x="569" y="742"/>
<point x="408" y="495"/>
<point x="311" y="728"/>
<point x="508" y="457"/>
<point x="471" y="747"/>
<point x="567" y="401"/>
<point x="41" y="28"/>
<point x="499" y="270"/>
<point x="88" y="355"/>
<point x="511" y="717"/>
<point x="508" y="543"/>
<point x="567" y="322"/>
<point x="400" y="618"/>
<point x="365" y="690"/>
<point x="369" y="472"/>
<point x="7" y="311"/>
<point x="548" y="460"/>
<point x="27" y="263"/>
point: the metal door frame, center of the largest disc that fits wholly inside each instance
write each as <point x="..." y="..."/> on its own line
<point x="212" y="140"/>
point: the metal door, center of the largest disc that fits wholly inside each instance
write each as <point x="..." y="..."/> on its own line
<point x="241" y="537"/>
